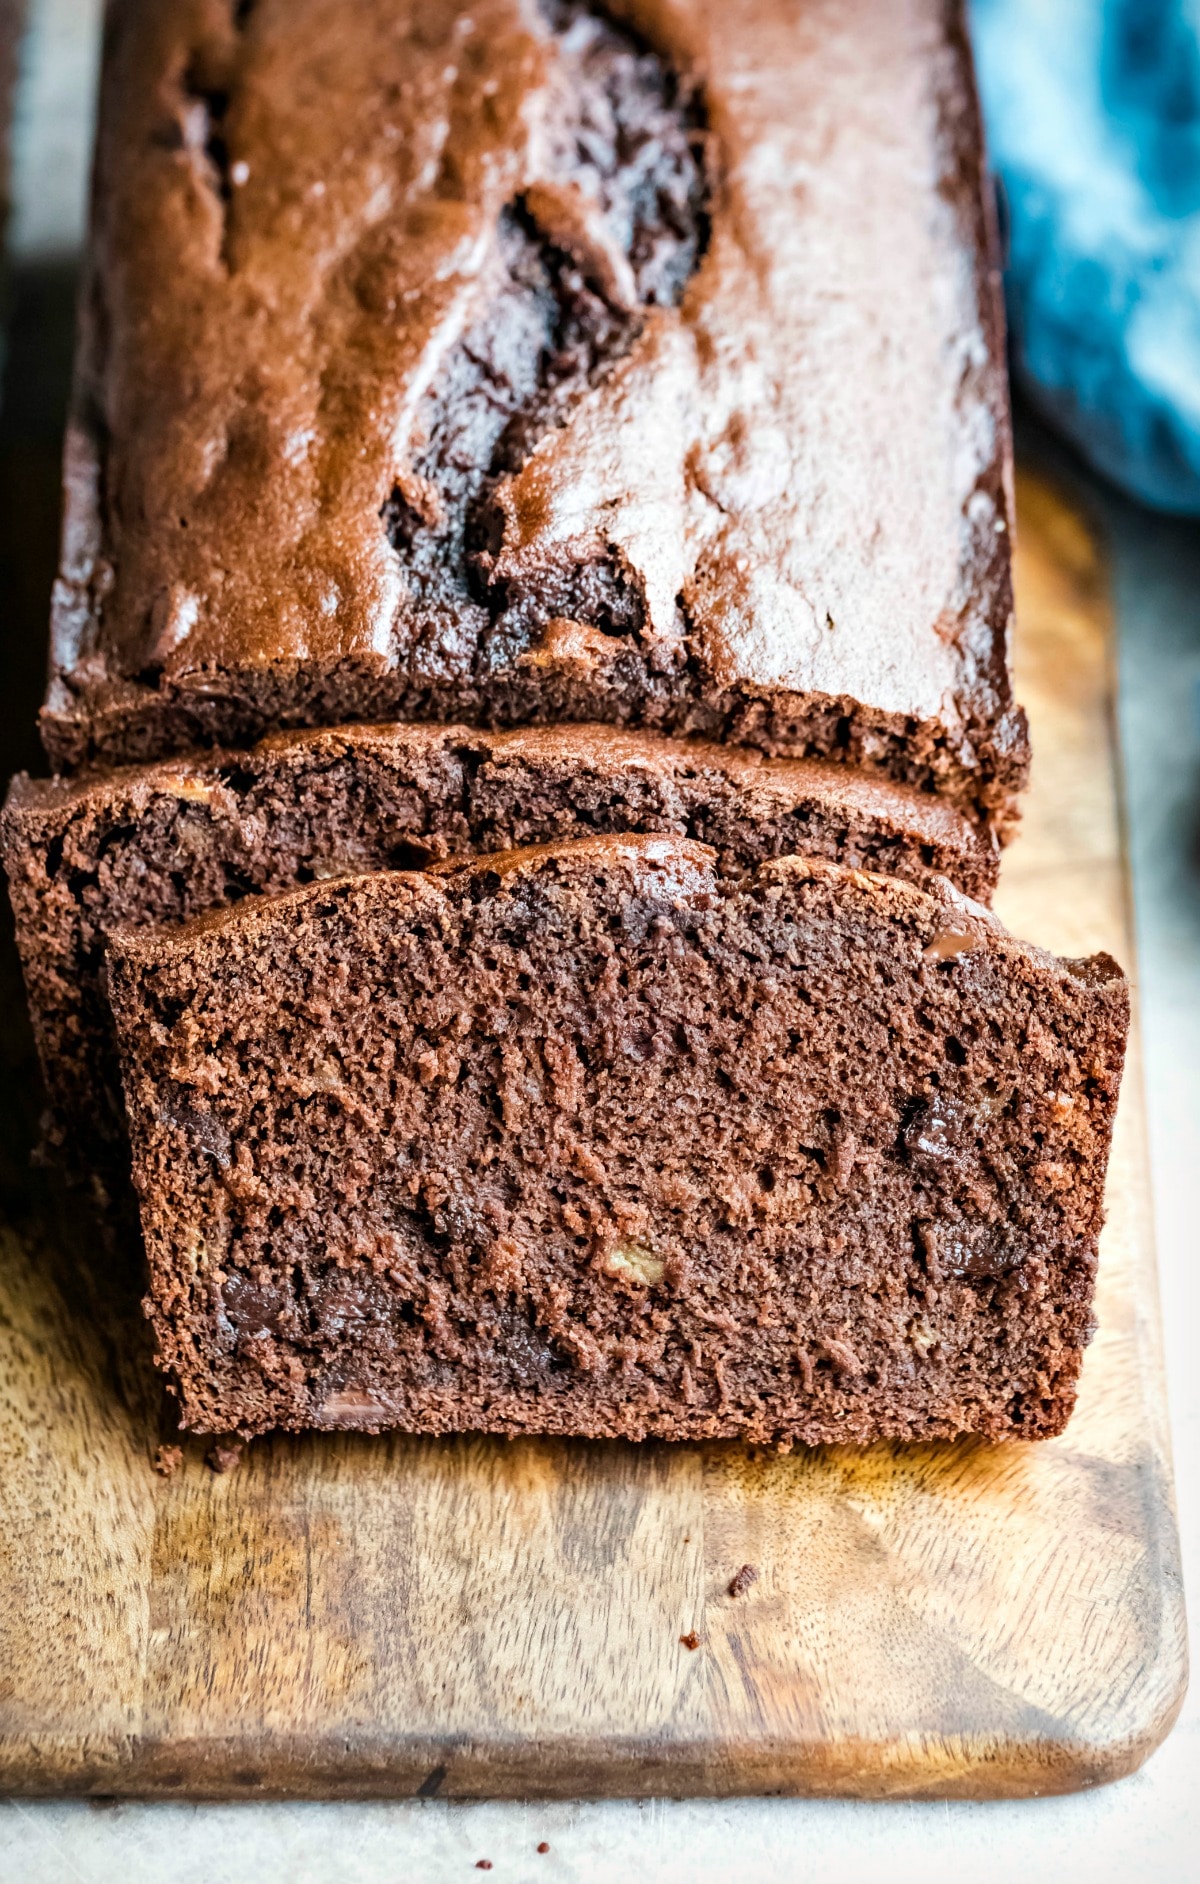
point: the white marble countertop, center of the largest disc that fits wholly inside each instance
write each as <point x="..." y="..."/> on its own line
<point x="1147" y="1826"/>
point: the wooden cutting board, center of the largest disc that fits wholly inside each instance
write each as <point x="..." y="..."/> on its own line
<point x="344" y="1616"/>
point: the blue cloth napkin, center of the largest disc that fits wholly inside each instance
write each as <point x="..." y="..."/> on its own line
<point x="1093" y="120"/>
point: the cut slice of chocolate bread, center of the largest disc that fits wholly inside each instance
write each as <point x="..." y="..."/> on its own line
<point x="595" y="1139"/>
<point x="535" y="361"/>
<point x="167" y="842"/>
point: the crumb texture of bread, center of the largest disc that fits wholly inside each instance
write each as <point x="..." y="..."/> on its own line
<point x="532" y="362"/>
<point x="592" y="1138"/>
<point x="155" y="845"/>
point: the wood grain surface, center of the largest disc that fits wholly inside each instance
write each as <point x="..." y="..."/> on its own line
<point x="347" y="1616"/>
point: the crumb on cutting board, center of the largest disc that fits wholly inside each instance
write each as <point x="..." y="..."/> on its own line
<point x="742" y="1581"/>
<point x="225" y="1455"/>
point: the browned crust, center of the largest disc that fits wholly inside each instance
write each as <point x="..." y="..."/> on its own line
<point x="101" y="706"/>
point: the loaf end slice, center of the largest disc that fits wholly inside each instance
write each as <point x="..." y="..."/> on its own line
<point x="595" y="1139"/>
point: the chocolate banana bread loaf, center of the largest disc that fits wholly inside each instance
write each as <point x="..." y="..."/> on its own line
<point x="161" y="843"/>
<point x="540" y="360"/>
<point x="595" y="1138"/>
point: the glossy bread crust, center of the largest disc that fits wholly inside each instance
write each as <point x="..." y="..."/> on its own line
<point x="527" y="362"/>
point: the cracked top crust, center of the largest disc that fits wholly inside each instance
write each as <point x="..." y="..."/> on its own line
<point x="527" y="362"/>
